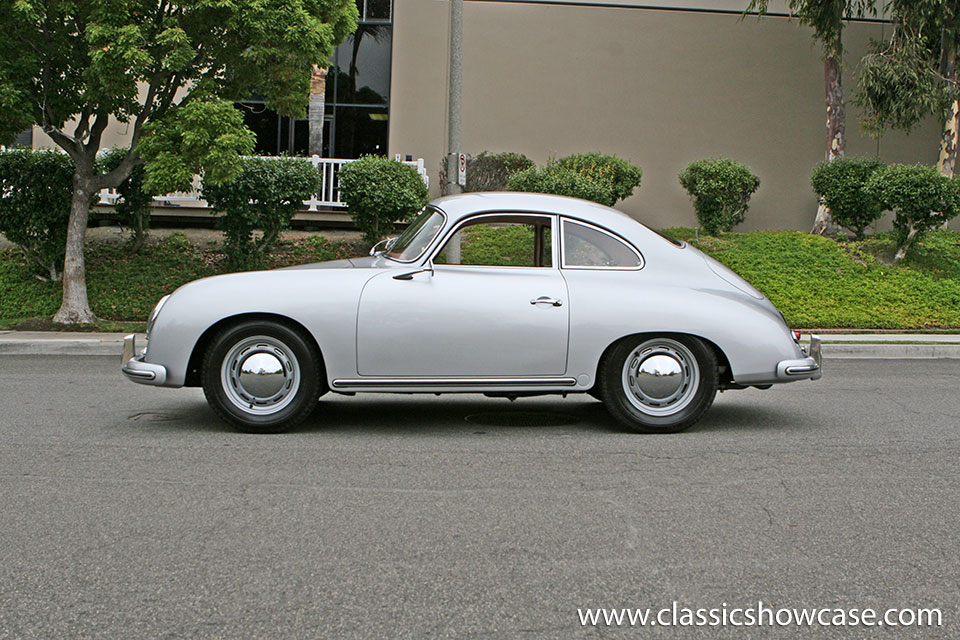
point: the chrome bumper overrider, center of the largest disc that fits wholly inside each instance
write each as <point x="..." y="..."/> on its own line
<point x="810" y="368"/>
<point x="136" y="369"/>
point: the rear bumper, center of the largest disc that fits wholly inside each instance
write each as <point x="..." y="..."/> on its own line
<point x="133" y="366"/>
<point x="809" y="368"/>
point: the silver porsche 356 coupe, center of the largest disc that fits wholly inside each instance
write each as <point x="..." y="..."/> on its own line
<point x="505" y="294"/>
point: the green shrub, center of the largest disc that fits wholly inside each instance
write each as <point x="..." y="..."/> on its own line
<point x="264" y="197"/>
<point x="380" y="192"/>
<point x="491" y="171"/>
<point x="920" y="196"/>
<point x="133" y="205"/>
<point x="562" y="182"/>
<point x="840" y="185"/>
<point x="721" y="189"/>
<point x="622" y="176"/>
<point x="36" y="188"/>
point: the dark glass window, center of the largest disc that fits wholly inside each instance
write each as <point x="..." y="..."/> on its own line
<point x="362" y="67"/>
<point x="25" y="139"/>
<point x="276" y="135"/>
<point x="374" y="10"/>
<point x="357" y="96"/>
<point x="359" y="131"/>
<point x="358" y="90"/>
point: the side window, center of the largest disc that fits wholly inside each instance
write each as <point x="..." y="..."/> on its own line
<point x="500" y="241"/>
<point x="587" y="247"/>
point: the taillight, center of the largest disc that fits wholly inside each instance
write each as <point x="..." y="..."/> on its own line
<point x="796" y="335"/>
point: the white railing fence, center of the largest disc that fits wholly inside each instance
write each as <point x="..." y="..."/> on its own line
<point x="328" y="197"/>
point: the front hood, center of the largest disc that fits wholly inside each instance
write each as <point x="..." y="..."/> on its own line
<point x="359" y="263"/>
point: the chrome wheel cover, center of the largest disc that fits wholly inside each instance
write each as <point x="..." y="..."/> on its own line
<point x="260" y="375"/>
<point x="660" y="377"/>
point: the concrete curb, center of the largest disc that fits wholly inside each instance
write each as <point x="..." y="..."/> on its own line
<point x="891" y="351"/>
<point x="36" y="343"/>
<point x="17" y="343"/>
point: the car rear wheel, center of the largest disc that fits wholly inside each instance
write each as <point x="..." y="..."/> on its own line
<point x="262" y="376"/>
<point x="659" y="384"/>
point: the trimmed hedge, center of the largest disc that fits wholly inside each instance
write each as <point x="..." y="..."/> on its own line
<point x="920" y="196"/>
<point x="562" y="182"/>
<point x="490" y="171"/>
<point x="380" y="192"/>
<point x="601" y="178"/>
<point x="622" y="176"/>
<point x="721" y="190"/>
<point x="263" y="197"/>
<point x="36" y="189"/>
<point x="841" y="185"/>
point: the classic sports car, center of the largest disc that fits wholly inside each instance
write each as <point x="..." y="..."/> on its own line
<point x="505" y="294"/>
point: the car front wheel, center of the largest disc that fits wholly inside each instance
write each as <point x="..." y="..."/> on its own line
<point x="659" y="384"/>
<point x="262" y="376"/>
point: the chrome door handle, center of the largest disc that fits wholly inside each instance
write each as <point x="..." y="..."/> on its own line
<point x="547" y="300"/>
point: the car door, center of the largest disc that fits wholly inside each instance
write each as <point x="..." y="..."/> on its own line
<point x="495" y="305"/>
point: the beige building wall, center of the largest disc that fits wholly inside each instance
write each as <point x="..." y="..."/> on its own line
<point x="660" y="88"/>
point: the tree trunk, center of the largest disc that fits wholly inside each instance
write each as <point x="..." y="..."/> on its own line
<point x="315" y="110"/>
<point x="902" y="251"/>
<point x="836" y="133"/>
<point x="139" y="235"/>
<point x="948" y="139"/>
<point x="75" y="308"/>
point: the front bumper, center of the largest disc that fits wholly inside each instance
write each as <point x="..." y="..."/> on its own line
<point x="809" y="368"/>
<point x="133" y="366"/>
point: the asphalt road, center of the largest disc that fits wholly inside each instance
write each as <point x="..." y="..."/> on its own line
<point x="131" y="512"/>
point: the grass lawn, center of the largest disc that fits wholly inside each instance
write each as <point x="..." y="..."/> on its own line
<point x="816" y="282"/>
<point x="124" y="287"/>
<point x="822" y="283"/>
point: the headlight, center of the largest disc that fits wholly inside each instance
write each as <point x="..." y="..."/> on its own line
<point x="155" y="313"/>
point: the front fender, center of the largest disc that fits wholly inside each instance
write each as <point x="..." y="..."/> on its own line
<point x="324" y="301"/>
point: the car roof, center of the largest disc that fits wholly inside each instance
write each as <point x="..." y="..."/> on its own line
<point x="458" y="206"/>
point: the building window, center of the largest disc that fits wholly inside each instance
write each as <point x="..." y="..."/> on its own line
<point x="25" y="139"/>
<point x="357" y="98"/>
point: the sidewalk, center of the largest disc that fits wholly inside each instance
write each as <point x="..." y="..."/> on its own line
<point x="852" y="345"/>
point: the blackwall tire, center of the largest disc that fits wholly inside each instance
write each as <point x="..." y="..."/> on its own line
<point x="659" y="383"/>
<point x="262" y="376"/>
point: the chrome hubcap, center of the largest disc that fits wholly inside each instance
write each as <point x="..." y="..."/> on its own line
<point x="260" y="375"/>
<point x="660" y="377"/>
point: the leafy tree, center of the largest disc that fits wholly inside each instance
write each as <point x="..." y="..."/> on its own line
<point x="913" y="74"/>
<point x="721" y="190"/>
<point x="168" y="69"/>
<point x="841" y="186"/>
<point x="379" y="192"/>
<point x="264" y="196"/>
<point x="826" y="17"/>
<point x="921" y="198"/>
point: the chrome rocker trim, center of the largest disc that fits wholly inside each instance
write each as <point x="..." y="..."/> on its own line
<point x="136" y="369"/>
<point x="363" y="383"/>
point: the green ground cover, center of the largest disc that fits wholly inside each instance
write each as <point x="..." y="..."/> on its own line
<point x="123" y="287"/>
<point x="817" y="282"/>
<point x="823" y="283"/>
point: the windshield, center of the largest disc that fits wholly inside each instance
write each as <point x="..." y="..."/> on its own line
<point x="417" y="236"/>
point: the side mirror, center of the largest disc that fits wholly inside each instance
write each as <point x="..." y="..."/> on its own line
<point x="424" y="269"/>
<point x="386" y="242"/>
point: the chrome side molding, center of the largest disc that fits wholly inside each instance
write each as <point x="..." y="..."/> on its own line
<point x="344" y="383"/>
